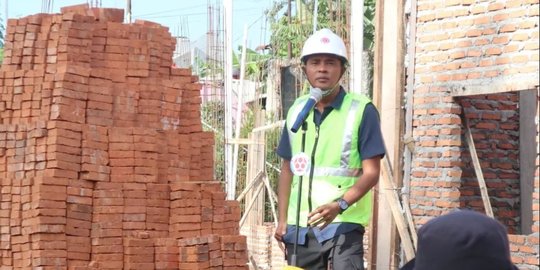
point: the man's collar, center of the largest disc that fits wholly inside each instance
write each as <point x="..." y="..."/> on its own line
<point x="338" y="100"/>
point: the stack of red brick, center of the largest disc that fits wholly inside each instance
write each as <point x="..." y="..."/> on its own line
<point x="103" y="161"/>
<point x="212" y="252"/>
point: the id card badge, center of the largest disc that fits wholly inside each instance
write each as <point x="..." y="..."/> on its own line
<point x="300" y="164"/>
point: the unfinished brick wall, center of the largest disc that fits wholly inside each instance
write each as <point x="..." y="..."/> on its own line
<point x="472" y="45"/>
<point x="103" y="162"/>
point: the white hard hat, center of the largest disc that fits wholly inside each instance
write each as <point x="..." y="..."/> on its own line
<point x="324" y="41"/>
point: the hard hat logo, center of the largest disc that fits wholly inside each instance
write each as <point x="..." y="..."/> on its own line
<point x="324" y="41"/>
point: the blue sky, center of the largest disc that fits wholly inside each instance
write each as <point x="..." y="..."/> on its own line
<point x="183" y="17"/>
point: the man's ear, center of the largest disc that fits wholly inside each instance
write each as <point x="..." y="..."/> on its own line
<point x="343" y="70"/>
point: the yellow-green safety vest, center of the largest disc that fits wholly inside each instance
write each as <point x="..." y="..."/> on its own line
<point x="338" y="163"/>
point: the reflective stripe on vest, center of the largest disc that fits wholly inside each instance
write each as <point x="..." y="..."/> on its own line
<point x="344" y="171"/>
<point x="347" y="135"/>
<point x="341" y="172"/>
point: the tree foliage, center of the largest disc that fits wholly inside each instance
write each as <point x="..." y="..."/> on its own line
<point x="255" y="63"/>
<point x="331" y="14"/>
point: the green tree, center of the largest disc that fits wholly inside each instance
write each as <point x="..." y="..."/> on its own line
<point x="255" y="64"/>
<point x="331" y="14"/>
<point x="369" y="25"/>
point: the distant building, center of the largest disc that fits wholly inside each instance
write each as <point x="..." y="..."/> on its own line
<point x="193" y="54"/>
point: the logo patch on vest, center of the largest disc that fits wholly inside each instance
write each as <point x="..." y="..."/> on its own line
<point x="300" y="164"/>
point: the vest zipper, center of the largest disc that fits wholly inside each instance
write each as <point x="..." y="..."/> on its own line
<point x="312" y="167"/>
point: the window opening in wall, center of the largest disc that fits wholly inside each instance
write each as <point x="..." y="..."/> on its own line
<point x="504" y="130"/>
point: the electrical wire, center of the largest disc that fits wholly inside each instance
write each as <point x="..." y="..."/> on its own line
<point x="171" y="16"/>
<point x="170" y="10"/>
<point x="239" y="36"/>
<point x="189" y="14"/>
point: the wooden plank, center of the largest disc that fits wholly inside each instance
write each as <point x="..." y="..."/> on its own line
<point x="247" y="141"/>
<point x="278" y="124"/>
<point x="410" y="219"/>
<point x="261" y="176"/>
<point x="392" y="119"/>
<point x="477" y="167"/>
<point x="251" y="203"/>
<point x="255" y="165"/>
<point x="377" y="90"/>
<point x="528" y="147"/>
<point x="495" y="85"/>
<point x="253" y="263"/>
<point x="273" y="199"/>
<point x="260" y="158"/>
<point x="250" y="185"/>
<point x="391" y="194"/>
<point x="407" y="137"/>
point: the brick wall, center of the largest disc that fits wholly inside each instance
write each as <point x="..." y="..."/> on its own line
<point x="103" y="162"/>
<point x="478" y="45"/>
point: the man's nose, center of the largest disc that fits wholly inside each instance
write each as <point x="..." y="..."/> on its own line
<point x="321" y="68"/>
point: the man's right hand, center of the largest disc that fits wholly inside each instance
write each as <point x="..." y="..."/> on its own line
<point x="278" y="235"/>
<point x="280" y="231"/>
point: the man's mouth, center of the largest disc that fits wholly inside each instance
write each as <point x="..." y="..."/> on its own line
<point x="322" y="80"/>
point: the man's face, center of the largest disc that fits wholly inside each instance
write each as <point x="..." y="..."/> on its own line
<point x="323" y="71"/>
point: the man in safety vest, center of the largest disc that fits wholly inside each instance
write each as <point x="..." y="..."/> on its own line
<point x="340" y="164"/>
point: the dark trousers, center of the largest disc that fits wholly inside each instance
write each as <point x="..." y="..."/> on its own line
<point x="343" y="252"/>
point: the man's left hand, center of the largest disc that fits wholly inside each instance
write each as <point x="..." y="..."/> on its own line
<point x="323" y="215"/>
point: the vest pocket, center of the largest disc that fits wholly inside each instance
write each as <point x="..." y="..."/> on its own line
<point x="344" y="184"/>
<point x="325" y="192"/>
